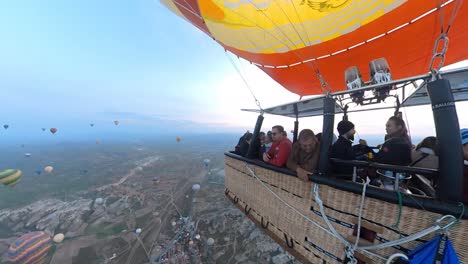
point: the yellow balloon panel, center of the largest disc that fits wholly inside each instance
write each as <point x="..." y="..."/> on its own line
<point x="277" y="26"/>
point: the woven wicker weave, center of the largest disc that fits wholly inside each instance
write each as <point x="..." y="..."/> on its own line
<point x="311" y="242"/>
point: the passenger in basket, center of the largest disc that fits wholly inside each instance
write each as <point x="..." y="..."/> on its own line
<point x="241" y="139"/>
<point x="259" y="146"/>
<point x="245" y="144"/>
<point x="304" y="155"/>
<point x="425" y="154"/>
<point x="342" y="148"/>
<point x="396" y="150"/>
<point x="280" y="149"/>
<point x="464" y="138"/>
<point x="268" y="142"/>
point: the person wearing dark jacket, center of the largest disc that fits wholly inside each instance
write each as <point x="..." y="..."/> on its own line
<point x="245" y="144"/>
<point x="396" y="150"/>
<point x="342" y="148"/>
<point x="242" y="146"/>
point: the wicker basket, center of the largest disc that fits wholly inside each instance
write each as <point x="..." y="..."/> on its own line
<point x="274" y="200"/>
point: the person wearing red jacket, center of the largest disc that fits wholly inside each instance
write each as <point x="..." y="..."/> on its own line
<point x="280" y="149"/>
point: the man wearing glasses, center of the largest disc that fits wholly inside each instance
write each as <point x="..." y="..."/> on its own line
<point x="280" y="149"/>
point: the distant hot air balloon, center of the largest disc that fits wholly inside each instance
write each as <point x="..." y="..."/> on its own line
<point x="174" y="223"/>
<point x="48" y="169"/>
<point x="99" y="200"/>
<point x="197" y="237"/>
<point x="156" y="180"/>
<point x="196" y="187"/>
<point x="58" y="238"/>
<point x="6" y="126"/>
<point x="178" y="139"/>
<point x="206" y="162"/>
<point x="138" y="231"/>
<point x="30" y="248"/>
<point x="210" y="241"/>
<point x="91" y="124"/>
<point x="116" y="122"/>
<point x="43" y="129"/>
<point x="27" y="155"/>
<point x="98" y="142"/>
<point x="10" y="177"/>
<point x="38" y="171"/>
<point x="53" y="130"/>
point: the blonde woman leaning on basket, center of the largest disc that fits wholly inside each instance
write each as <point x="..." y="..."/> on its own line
<point x="304" y="155"/>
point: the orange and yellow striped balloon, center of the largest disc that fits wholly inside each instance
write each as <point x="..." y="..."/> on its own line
<point x="290" y="39"/>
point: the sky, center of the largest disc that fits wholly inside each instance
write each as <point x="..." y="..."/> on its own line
<point x="67" y="64"/>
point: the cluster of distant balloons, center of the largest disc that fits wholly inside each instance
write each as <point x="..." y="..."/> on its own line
<point x="11" y="177"/>
<point x="54" y="130"/>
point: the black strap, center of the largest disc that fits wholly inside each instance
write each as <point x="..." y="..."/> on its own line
<point x="424" y="155"/>
<point x="441" y="247"/>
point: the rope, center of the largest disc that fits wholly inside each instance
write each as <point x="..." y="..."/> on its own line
<point x="257" y="102"/>
<point x="324" y="216"/>
<point x="315" y="67"/>
<point x="400" y="206"/>
<point x="363" y="196"/>
<point x="332" y="231"/>
<point x="407" y="239"/>
<point x="415" y="236"/>
<point x="285" y="203"/>
<point x="301" y="214"/>
<point x="463" y="210"/>
<point x="319" y="76"/>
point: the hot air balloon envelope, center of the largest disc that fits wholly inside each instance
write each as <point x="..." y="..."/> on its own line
<point x="58" y="238"/>
<point x="43" y="129"/>
<point x="196" y="187"/>
<point x="99" y="200"/>
<point x="138" y="231"/>
<point x="91" y="125"/>
<point x="29" y="248"/>
<point x="27" y="155"/>
<point x="53" y="130"/>
<point x="38" y="171"/>
<point x="292" y="41"/>
<point x="5" y="126"/>
<point x="10" y="177"/>
<point x="116" y="122"/>
<point x="178" y="139"/>
<point x="48" y="169"/>
<point x="210" y="241"/>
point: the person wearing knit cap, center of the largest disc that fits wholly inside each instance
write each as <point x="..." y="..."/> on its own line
<point x="464" y="141"/>
<point x="346" y="129"/>
<point x="342" y="148"/>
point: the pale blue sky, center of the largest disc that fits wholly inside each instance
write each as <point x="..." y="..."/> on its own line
<point x="69" y="63"/>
